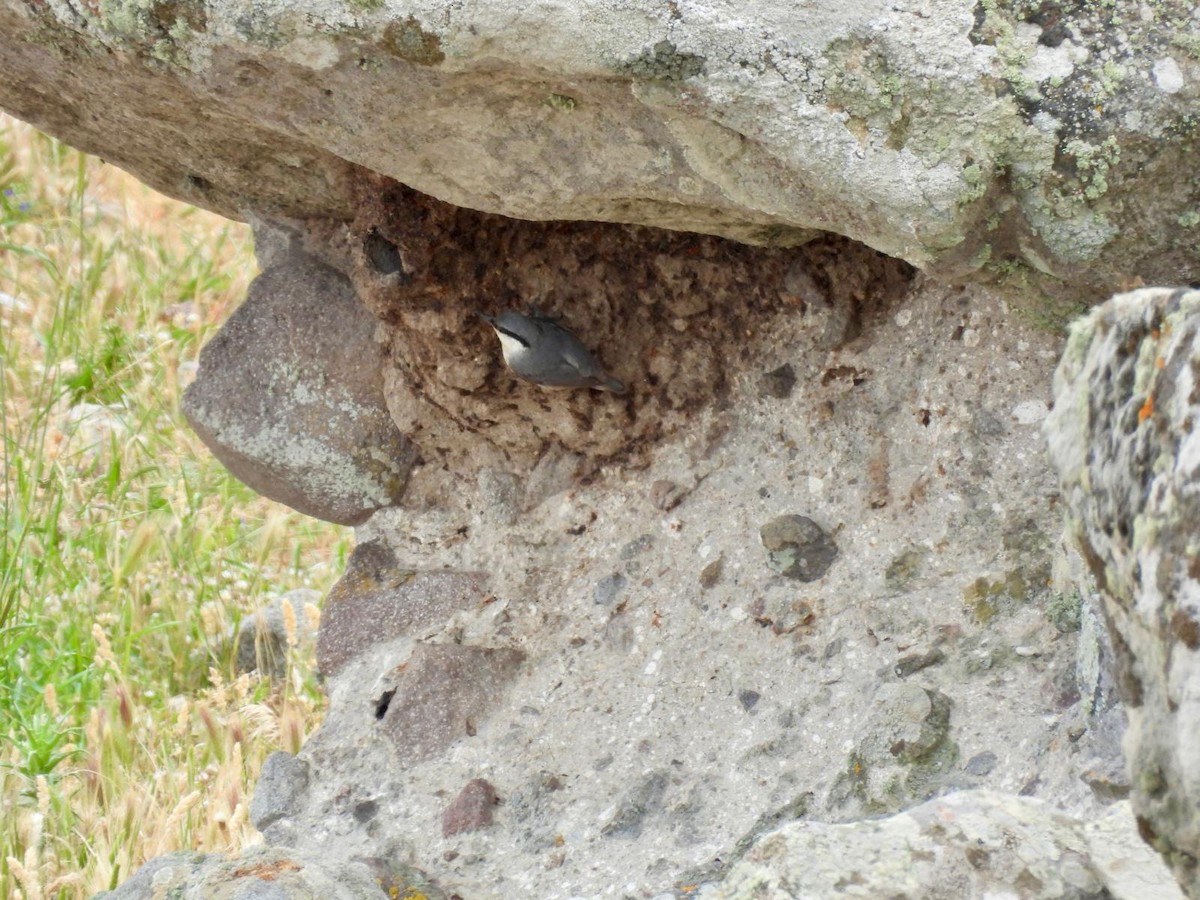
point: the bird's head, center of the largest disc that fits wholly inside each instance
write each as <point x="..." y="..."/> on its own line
<point x="517" y="332"/>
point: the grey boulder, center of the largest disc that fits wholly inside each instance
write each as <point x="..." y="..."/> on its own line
<point x="289" y="397"/>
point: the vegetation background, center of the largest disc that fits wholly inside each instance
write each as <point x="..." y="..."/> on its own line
<point x="128" y="554"/>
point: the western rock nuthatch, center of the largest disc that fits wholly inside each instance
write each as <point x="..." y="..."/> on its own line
<point x="539" y="350"/>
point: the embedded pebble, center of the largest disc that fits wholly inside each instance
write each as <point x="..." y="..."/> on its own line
<point x="779" y="382"/>
<point x="608" y="588"/>
<point x="981" y="763"/>
<point x="797" y="547"/>
<point x="710" y="575"/>
<point x="1030" y="412"/>
<point x="471" y="809"/>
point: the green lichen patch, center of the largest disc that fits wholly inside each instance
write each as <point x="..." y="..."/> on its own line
<point x="1188" y="42"/>
<point x="154" y="29"/>
<point x="1054" y="315"/>
<point x="980" y="654"/>
<point x="407" y="40"/>
<point x="852" y="783"/>
<point x="1027" y="290"/>
<point x="864" y="84"/>
<point x="1065" y="611"/>
<point x="908" y="766"/>
<point x="976" y="181"/>
<point x="905" y="567"/>
<point x="663" y="62"/>
<point x="256" y="26"/>
<point x="885" y="102"/>
<point x="1090" y="165"/>
<point x="1094" y="114"/>
<point x="561" y="102"/>
<point x="987" y="599"/>
<point x="142" y="20"/>
<point x="929" y="770"/>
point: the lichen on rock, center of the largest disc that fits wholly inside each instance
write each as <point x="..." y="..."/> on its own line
<point x="1124" y="439"/>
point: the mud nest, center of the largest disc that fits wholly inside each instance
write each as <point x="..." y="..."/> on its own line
<point x="676" y="316"/>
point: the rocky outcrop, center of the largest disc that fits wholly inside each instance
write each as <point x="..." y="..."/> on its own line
<point x="265" y="640"/>
<point x="1001" y="140"/>
<point x="971" y="844"/>
<point x="1124" y="438"/>
<point x="647" y="695"/>
<point x="560" y="662"/>
<point x="273" y="872"/>
<point x="542" y="702"/>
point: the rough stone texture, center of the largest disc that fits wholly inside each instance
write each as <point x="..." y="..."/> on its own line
<point x="648" y="740"/>
<point x="648" y="697"/>
<point x="439" y="694"/>
<point x="970" y="844"/>
<point x="289" y="397"/>
<point x="281" y="782"/>
<point x="471" y="810"/>
<point x="959" y="846"/>
<point x="1010" y="135"/>
<point x="779" y="382"/>
<point x="378" y="600"/>
<point x="262" y="637"/>
<point x="797" y="547"/>
<point x="396" y="700"/>
<point x="1123" y="436"/>
<point x="271" y="873"/>
<point x="906" y="748"/>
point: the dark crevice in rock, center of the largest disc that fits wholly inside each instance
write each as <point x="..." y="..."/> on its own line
<point x="382" y="254"/>
<point x="381" y="706"/>
<point x="198" y="183"/>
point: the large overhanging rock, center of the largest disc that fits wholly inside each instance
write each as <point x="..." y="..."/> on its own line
<point x="952" y="134"/>
<point x="1124" y="438"/>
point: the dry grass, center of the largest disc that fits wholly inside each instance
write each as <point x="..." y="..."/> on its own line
<point x="128" y="552"/>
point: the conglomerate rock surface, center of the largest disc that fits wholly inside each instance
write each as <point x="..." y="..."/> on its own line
<point x="555" y="684"/>
<point x="969" y="844"/>
<point x="558" y="688"/>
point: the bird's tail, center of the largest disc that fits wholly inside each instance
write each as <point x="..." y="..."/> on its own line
<point x="612" y="384"/>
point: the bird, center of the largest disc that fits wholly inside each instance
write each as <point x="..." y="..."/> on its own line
<point x="541" y="351"/>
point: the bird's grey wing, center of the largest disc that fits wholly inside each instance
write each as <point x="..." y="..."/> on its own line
<point x="578" y="359"/>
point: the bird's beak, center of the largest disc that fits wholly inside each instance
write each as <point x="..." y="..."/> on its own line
<point x="491" y="320"/>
